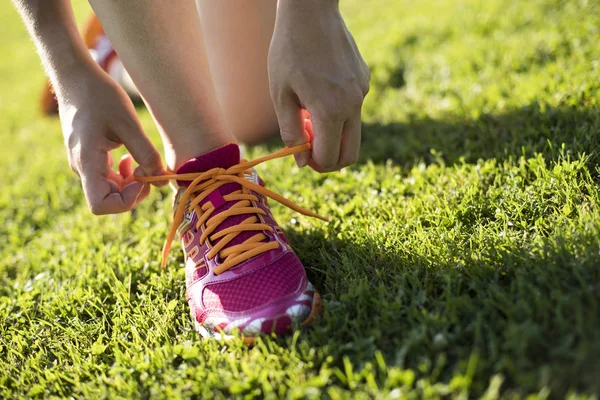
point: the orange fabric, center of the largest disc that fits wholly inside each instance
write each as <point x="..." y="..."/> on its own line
<point x="91" y="31"/>
<point x="204" y="183"/>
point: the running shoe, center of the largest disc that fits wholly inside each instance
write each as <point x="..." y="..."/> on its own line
<point x="241" y="273"/>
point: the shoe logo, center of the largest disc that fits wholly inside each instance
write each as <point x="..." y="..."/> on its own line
<point x="252" y="176"/>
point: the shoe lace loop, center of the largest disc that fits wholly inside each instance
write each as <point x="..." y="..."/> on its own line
<point x="203" y="184"/>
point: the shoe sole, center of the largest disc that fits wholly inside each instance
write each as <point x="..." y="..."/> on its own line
<point x="316" y="311"/>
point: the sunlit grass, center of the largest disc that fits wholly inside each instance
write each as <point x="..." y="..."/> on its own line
<point x="461" y="258"/>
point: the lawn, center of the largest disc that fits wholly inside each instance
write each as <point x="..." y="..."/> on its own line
<point x="461" y="260"/>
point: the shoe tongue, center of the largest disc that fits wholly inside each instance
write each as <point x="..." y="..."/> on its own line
<point x="224" y="157"/>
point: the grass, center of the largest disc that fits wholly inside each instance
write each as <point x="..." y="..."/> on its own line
<point x="461" y="260"/>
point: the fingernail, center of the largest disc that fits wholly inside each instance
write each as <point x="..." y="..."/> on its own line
<point x="301" y="160"/>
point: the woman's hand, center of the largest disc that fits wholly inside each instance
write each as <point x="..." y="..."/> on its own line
<point x="97" y="116"/>
<point x="314" y="64"/>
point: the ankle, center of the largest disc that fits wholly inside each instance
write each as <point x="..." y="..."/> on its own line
<point x="177" y="154"/>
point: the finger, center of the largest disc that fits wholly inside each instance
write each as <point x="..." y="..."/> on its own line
<point x="112" y="202"/>
<point x="350" y="145"/>
<point x="126" y="166"/>
<point x="102" y="193"/>
<point x="126" y="169"/>
<point x="114" y="177"/>
<point x="291" y="125"/>
<point x="143" y="194"/>
<point x="140" y="172"/>
<point x="111" y="161"/>
<point x="308" y="127"/>
<point x="142" y="150"/>
<point x="317" y="167"/>
<point x="326" y="144"/>
<point x="130" y="179"/>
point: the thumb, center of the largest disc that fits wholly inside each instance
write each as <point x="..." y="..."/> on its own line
<point x="143" y="152"/>
<point x="291" y="124"/>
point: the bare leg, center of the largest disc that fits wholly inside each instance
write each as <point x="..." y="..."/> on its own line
<point x="237" y="36"/>
<point x="161" y="45"/>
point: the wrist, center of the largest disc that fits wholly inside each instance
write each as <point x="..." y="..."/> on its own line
<point x="302" y="6"/>
<point x="68" y="69"/>
<point x="318" y="3"/>
<point x="67" y="64"/>
<point x="60" y="45"/>
<point x="64" y="58"/>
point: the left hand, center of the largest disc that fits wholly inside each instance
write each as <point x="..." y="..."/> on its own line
<point x="314" y="64"/>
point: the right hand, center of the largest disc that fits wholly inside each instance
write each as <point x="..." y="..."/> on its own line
<point x="314" y="64"/>
<point x="97" y="117"/>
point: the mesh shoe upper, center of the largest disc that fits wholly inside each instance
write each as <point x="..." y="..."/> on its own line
<point x="268" y="288"/>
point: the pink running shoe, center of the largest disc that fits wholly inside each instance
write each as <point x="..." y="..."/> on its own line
<point x="241" y="273"/>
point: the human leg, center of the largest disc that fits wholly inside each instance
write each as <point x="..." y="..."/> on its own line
<point x="241" y="273"/>
<point x="163" y="50"/>
<point x="237" y="34"/>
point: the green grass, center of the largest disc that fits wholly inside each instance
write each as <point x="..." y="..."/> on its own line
<point x="461" y="259"/>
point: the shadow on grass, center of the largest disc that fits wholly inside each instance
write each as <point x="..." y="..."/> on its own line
<point x="524" y="131"/>
<point x="532" y="318"/>
<point x="518" y="132"/>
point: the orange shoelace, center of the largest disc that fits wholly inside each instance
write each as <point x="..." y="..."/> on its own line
<point x="203" y="184"/>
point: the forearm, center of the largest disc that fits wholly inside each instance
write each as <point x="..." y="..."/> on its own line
<point x="308" y="4"/>
<point x="52" y="27"/>
<point x="306" y="16"/>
